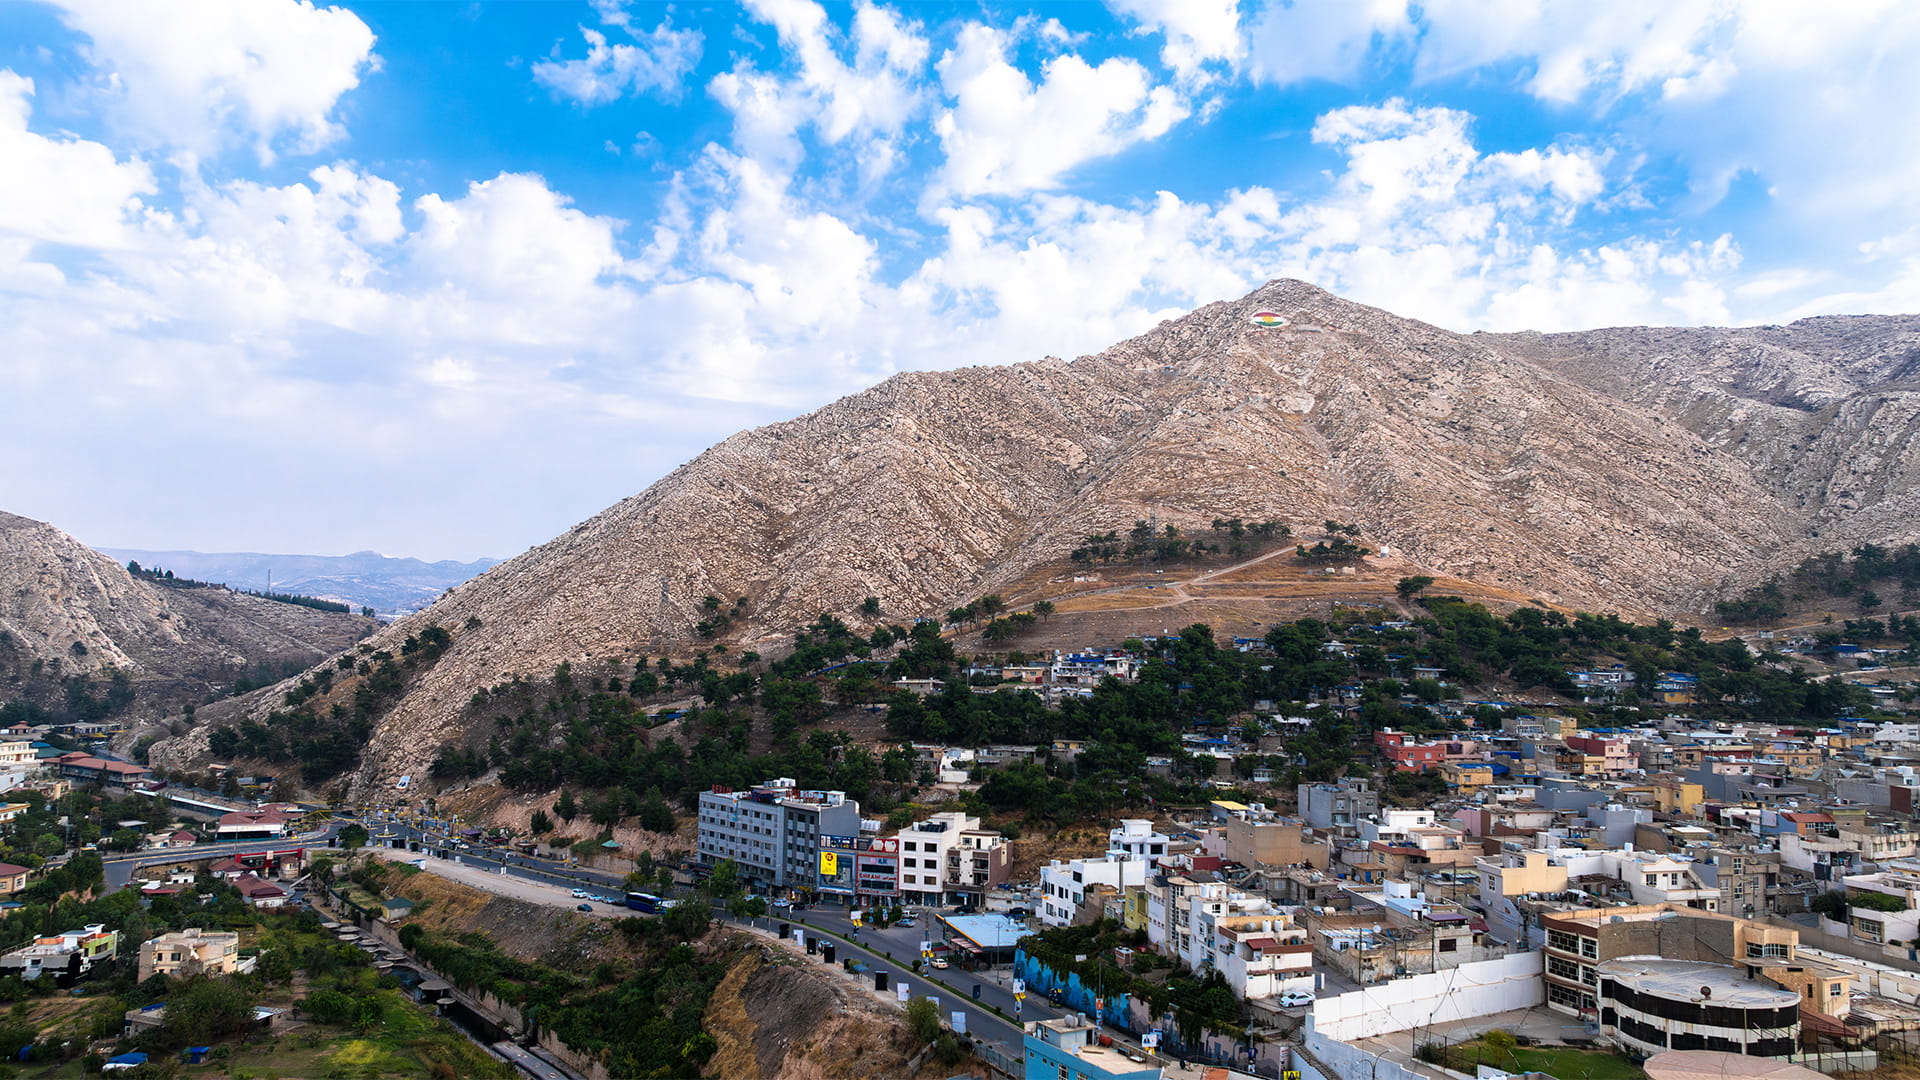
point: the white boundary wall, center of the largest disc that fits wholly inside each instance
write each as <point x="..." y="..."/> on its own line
<point x="1463" y="993"/>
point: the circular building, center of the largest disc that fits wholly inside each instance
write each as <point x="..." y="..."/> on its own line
<point x="1652" y="1005"/>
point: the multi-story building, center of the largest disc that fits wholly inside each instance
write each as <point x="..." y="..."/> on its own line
<point x="1578" y="942"/>
<point x="1615" y="753"/>
<point x="1881" y="927"/>
<point x="64" y="955"/>
<point x="773" y="831"/>
<point x="950" y="858"/>
<point x="1131" y="849"/>
<point x="193" y="952"/>
<point x="1342" y="805"/>
<point x="861" y="871"/>
<point x="1653" y="1005"/>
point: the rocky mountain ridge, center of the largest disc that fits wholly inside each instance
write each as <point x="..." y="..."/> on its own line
<point x="67" y="610"/>
<point x="1640" y="471"/>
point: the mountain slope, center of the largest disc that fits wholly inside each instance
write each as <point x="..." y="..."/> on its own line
<point x="362" y="579"/>
<point x="68" y="610"/>
<point x="1552" y="467"/>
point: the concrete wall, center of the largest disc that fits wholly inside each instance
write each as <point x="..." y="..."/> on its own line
<point x="1330" y="1059"/>
<point x="1463" y="993"/>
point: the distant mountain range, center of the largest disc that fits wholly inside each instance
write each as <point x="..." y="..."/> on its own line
<point x="363" y="579"/>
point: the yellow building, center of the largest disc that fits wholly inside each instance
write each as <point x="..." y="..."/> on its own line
<point x="1467" y="775"/>
<point x="1673" y="795"/>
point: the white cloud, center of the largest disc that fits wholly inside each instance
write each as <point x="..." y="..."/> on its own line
<point x="1005" y="136"/>
<point x="63" y="191"/>
<point x="658" y="63"/>
<point x="1299" y="40"/>
<point x="1197" y="32"/>
<point x="869" y="99"/>
<point x="200" y="76"/>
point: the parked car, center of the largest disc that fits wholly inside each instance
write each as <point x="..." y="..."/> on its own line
<point x="584" y="907"/>
<point x="579" y="894"/>
<point x="939" y="961"/>
<point x="781" y="904"/>
<point x="1293" y="998"/>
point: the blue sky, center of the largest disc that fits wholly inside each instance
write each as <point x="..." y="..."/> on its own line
<point x="441" y="279"/>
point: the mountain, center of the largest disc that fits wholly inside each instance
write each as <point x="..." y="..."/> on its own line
<point x="362" y="579"/>
<point x="67" y="610"/>
<point x="1640" y="471"/>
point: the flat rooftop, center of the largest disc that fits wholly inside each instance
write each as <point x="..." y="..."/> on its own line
<point x="1681" y="980"/>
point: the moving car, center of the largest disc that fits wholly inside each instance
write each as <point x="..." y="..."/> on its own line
<point x="939" y="961"/>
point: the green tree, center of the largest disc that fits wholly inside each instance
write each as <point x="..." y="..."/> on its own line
<point x="353" y="836"/>
<point x="566" y="807"/>
<point x="923" y="1020"/>
<point x="541" y="824"/>
<point x="870" y="606"/>
<point x="1410" y="587"/>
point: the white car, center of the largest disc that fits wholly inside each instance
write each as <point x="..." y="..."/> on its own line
<point x="579" y="894"/>
<point x="1293" y="998"/>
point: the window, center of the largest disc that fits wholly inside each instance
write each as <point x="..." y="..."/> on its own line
<point x="1836" y="989"/>
<point x="1449" y="945"/>
<point x="1589" y="948"/>
<point x="1563" y="941"/>
<point x="1868" y="930"/>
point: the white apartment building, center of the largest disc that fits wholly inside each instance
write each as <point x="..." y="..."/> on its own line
<point x="18" y="753"/>
<point x="1131" y="849"/>
<point x="949" y="857"/>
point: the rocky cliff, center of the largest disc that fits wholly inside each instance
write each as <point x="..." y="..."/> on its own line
<point x="1634" y="470"/>
<point x="68" y="610"/>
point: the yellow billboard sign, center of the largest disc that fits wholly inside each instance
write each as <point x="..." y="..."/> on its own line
<point x="829" y="863"/>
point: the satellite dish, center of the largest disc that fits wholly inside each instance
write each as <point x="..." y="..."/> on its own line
<point x="1706" y="991"/>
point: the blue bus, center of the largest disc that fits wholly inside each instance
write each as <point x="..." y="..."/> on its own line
<point x="646" y="902"/>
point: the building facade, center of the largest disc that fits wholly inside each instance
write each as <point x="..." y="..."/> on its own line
<point x="772" y="832"/>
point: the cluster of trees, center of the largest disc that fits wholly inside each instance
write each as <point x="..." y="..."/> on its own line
<point x="715" y="622"/>
<point x="1232" y="536"/>
<point x="594" y="735"/>
<point x="326" y="742"/>
<point x="298" y="600"/>
<point x="166" y="577"/>
<point x="643" y="1014"/>
<point x="1858" y="575"/>
<point x="1199" y="1003"/>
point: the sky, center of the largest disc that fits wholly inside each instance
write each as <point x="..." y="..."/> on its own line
<point x="442" y="279"/>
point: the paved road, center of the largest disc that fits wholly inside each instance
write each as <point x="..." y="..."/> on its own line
<point x="119" y="866"/>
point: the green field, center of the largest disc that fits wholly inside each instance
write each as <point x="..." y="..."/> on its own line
<point x="1559" y="1061"/>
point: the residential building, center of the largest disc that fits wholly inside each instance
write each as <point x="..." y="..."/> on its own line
<point x="86" y="768"/>
<point x="1064" y="886"/>
<point x="1067" y="1049"/>
<point x="12" y="878"/>
<point x="1341" y="805"/>
<point x="950" y="858"/>
<point x="65" y="955"/>
<point x="19" y="753"/>
<point x="260" y="894"/>
<point x="1883" y="927"/>
<point x="773" y="831"/>
<point x="193" y="952"/>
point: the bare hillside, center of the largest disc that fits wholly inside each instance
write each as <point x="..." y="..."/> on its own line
<point x="1583" y="471"/>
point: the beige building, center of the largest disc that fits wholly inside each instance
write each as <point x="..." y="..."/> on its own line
<point x="193" y="952"/>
